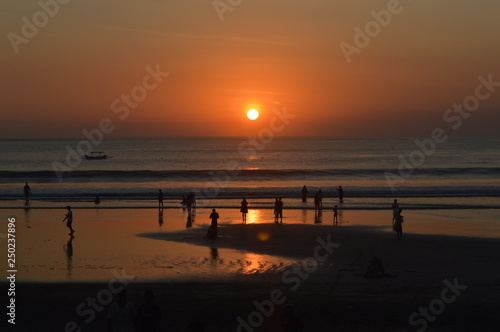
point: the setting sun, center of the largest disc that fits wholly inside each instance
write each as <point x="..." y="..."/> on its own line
<point x="253" y="114"/>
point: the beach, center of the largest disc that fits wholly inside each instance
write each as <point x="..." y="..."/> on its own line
<point x="218" y="280"/>
<point x="441" y="276"/>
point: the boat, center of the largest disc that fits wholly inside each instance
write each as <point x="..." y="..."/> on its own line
<point x="95" y="156"/>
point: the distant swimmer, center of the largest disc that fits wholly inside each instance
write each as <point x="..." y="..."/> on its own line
<point x="69" y="219"/>
<point x="97" y="200"/>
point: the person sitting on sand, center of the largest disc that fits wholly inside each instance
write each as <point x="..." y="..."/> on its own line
<point x="69" y="218"/>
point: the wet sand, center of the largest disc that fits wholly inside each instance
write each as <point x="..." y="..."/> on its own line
<point x="329" y="296"/>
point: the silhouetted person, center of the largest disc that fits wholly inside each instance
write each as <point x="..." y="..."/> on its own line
<point x="304" y="194"/>
<point x="276" y="209"/>
<point x="196" y="327"/>
<point x="160" y="198"/>
<point x="335" y="215"/>
<point x="27" y="192"/>
<point x="244" y="210"/>
<point x="280" y="210"/>
<point x="121" y="315"/>
<point x="316" y="201"/>
<point x="212" y="231"/>
<point x="341" y="193"/>
<point x="148" y="315"/>
<point x="395" y="212"/>
<point x="398" y="224"/>
<point x="97" y="200"/>
<point x="69" y="219"/>
<point x="290" y="323"/>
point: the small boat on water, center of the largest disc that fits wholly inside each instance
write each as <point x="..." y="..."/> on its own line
<point x="95" y="156"/>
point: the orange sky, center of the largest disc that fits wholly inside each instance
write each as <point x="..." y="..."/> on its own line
<point x="262" y="54"/>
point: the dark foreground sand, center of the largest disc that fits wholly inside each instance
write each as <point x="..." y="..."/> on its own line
<point x="330" y="297"/>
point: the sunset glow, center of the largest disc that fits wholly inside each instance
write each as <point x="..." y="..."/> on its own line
<point x="253" y="114"/>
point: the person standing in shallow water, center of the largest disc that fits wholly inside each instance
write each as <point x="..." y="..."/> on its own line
<point x="27" y="192"/>
<point x="69" y="219"/>
<point x="244" y="210"/>
<point x="395" y="212"/>
<point x="280" y="210"/>
<point x="160" y="198"/>
<point x="304" y="194"/>
<point x="335" y="215"/>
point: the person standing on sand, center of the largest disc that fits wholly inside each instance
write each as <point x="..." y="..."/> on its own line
<point x="280" y="210"/>
<point x="27" y="192"/>
<point x="304" y="194"/>
<point x="160" y="198"/>
<point x="395" y="212"/>
<point x="335" y="215"/>
<point x="148" y="315"/>
<point x="276" y="208"/>
<point x="398" y="224"/>
<point x="69" y="218"/>
<point x="212" y="232"/>
<point x="244" y="210"/>
<point x="122" y="315"/>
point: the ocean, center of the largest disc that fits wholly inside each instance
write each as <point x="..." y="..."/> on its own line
<point x="369" y="169"/>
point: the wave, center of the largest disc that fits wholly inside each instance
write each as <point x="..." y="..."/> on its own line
<point x="145" y="193"/>
<point x="46" y="176"/>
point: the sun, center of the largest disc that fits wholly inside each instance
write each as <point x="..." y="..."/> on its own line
<point x="253" y="114"/>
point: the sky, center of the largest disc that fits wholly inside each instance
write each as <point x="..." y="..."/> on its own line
<point x="194" y="68"/>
